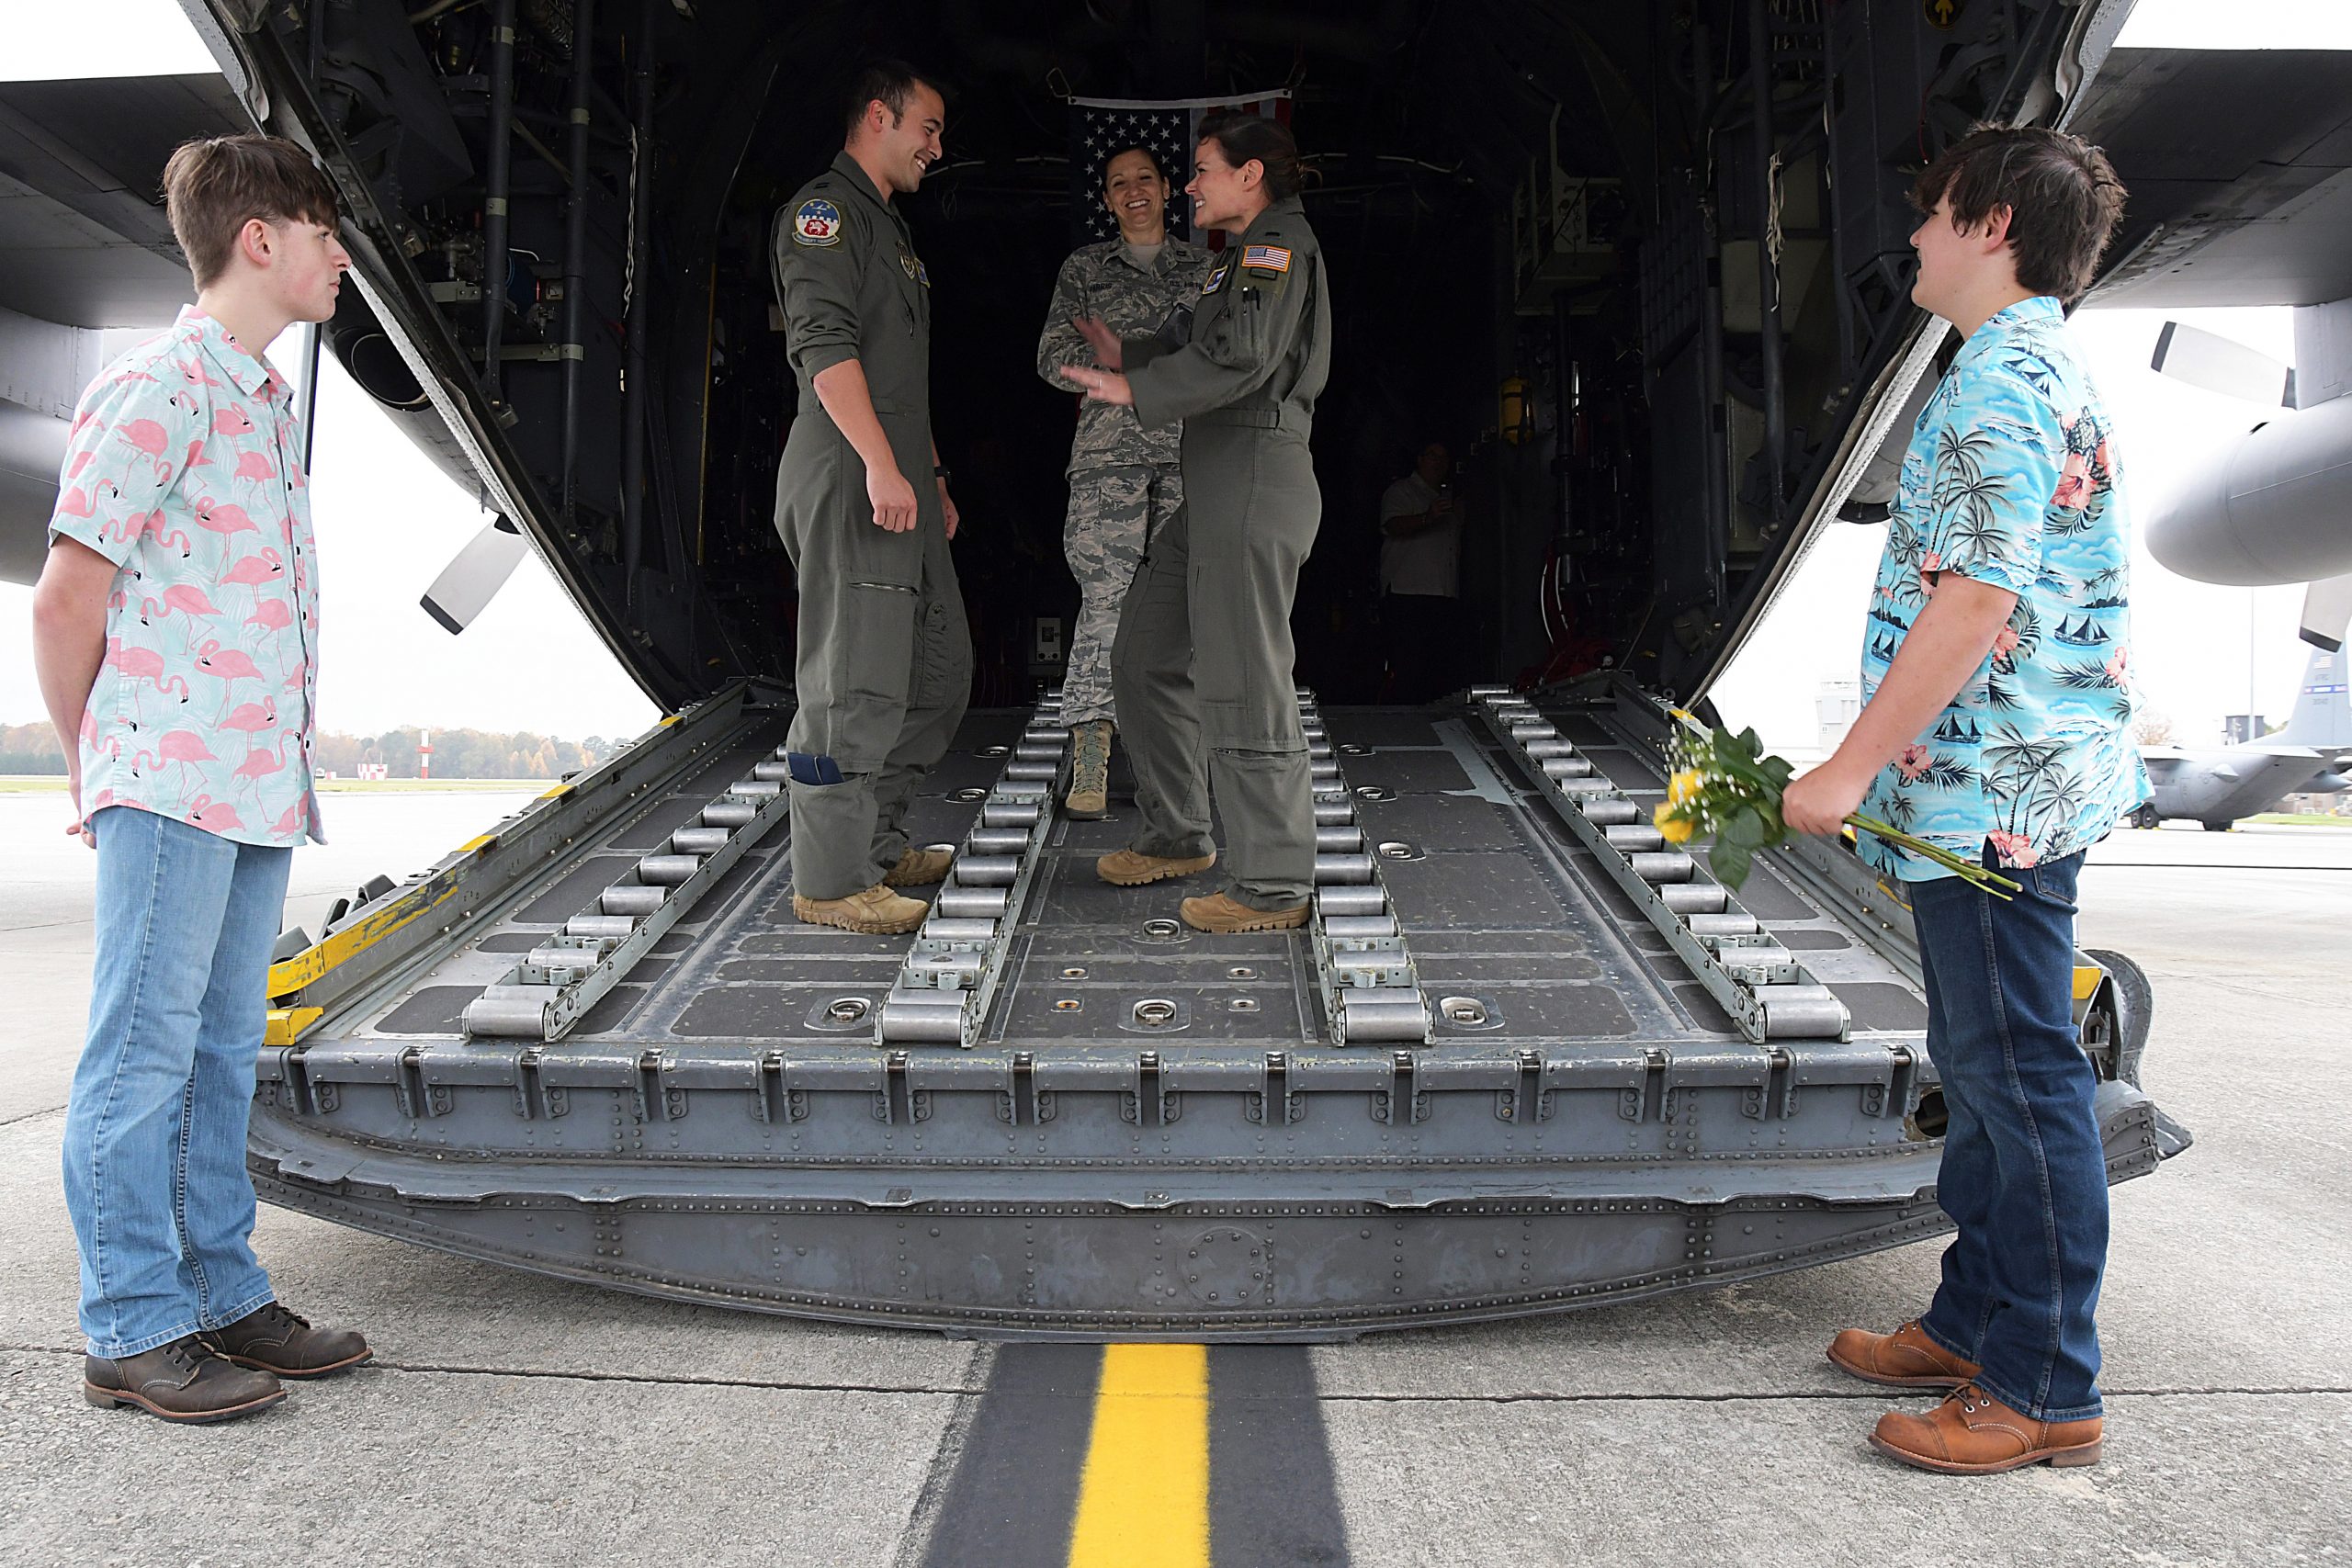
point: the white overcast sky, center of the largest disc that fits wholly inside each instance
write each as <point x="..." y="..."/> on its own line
<point x="388" y="521"/>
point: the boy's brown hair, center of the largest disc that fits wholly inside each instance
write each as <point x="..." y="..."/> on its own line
<point x="213" y="186"/>
<point x="2062" y="193"/>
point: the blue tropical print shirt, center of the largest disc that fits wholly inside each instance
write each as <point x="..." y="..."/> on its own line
<point x="2011" y="478"/>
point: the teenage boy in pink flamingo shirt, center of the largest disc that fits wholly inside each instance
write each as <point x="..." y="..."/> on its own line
<point x="175" y="634"/>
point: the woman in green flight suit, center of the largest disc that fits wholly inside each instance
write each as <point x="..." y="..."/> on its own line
<point x="1203" y="664"/>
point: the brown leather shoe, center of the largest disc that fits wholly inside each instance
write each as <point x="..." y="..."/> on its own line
<point x="920" y="868"/>
<point x="183" y="1381"/>
<point x="1904" y="1358"/>
<point x="1972" y="1433"/>
<point x="1133" y="868"/>
<point x="877" y="911"/>
<point x="1223" y="912"/>
<point x="276" y="1340"/>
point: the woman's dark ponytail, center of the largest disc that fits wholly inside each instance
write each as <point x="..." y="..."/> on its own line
<point x="1241" y="137"/>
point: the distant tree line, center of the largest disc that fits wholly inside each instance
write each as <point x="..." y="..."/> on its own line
<point x="457" y="753"/>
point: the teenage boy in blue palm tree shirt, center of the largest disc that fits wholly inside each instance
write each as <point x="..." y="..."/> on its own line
<point x="1996" y="724"/>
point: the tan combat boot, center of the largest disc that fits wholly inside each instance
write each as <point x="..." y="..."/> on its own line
<point x="1133" y="868"/>
<point x="1904" y="1358"/>
<point x="1972" y="1433"/>
<point x="877" y="911"/>
<point x="920" y="868"/>
<point x="1090" y="770"/>
<point x="1223" y="912"/>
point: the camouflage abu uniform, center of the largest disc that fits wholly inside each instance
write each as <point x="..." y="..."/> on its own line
<point x="1124" y="481"/>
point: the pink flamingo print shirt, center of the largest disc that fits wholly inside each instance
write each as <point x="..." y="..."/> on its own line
<point x="184" y="468"/>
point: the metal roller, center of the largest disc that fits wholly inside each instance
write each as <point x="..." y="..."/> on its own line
<point x="510" y="1017"/>
<point x="698" y="841"/>
<point x="1663" y="865"/>
<point x="1693" y="897"/>
<point x="987" y="870"/>
<point x="1383" y="1013"/>
<point x="923" y="1018"/>
<point x="1566" y="767"/>
<point x="771" y="771"/>
<point x="564" y="960"/>
<point x="625" y="898"/>
<point x="1368" y="966"/>
<point x="1333" y="814"/>
<point x="755" y="788"/>
<point x="667" y="871"/>
<point x="1036" y="751"/>
<point x="1609" y="810"/>
<point x="1341" y="901"/>
<point x="1338" y="840"/>
<point x="1054" y="738"/>
<point x="1793" y="1012"/>
<point x="1532" y="729"/>
<point x="1556" y="747"/>
<point x="968" y="903"/>
<point x="1342" y="868"/>
<point x="608" y="927"/>
<point x="996" y="840"/>
<point x="729" y="813"/>
<point x="1357" y="928"/>
<point x="1578" y="785"/>
<point x="1729" y="923"/>
<point x="1010" y="814"/>
<point x="943" y="928"/>
<point x="958" y="969"/>
<point x="1316" y="770"/>
<point x="1629" y="837"/>
<point x="1031" y="769"/>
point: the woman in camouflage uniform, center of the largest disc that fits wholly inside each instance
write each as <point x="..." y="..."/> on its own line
<point x="1123" y="481"/>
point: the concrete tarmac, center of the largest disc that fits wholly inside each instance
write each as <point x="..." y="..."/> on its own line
<point x="512" y="1420"/>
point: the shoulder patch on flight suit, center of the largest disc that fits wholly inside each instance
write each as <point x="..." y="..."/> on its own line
<point x="818" y="222"/>
<point x="922" y="273"/>
<point x="1266" y="259"/>
<point x="1216" y="279"/>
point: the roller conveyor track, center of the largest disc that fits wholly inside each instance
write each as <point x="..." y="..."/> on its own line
<point x="558" y="982"/>
<point x="956" y="963"/>
<point x="1370" y="986"/>
<point x="1747" y="970"/>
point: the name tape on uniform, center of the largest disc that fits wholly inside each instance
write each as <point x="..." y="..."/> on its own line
<point x="818" y="222"/>
<point x="1266" y="258"/>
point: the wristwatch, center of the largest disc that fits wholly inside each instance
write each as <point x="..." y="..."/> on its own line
<point x="939" y="472"/>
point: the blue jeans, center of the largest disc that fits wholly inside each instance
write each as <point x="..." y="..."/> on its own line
<point x="155" y="1171"/>
<point x="2024" y="1177"/>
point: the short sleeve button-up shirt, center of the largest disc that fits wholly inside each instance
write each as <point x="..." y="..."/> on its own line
<point x="2012" y="479"/>
<point x="184" y="468"/>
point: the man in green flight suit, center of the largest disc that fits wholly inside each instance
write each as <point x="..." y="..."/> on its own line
<point x="884" y="666"/>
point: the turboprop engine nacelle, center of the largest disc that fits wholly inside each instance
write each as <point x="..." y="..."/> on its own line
<point x="2277" y="509"/>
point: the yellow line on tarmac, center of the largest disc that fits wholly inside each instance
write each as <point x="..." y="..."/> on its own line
<point x="1143" y="1499"/>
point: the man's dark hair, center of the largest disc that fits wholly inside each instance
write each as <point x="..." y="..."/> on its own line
<point x="2062" y="193"/>
<point x="1242" y="136"/>
<point x="892" y="81"/>
<point x="212" y="187"/>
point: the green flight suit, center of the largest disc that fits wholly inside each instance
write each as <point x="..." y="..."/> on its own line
<point x="884" y="666"/>
<point x="1204" y="659"/>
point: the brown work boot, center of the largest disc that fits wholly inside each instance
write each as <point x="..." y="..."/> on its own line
<point x="1223" y="912"/>
<point x="1972" y="1433"/>
<point x="276" y="1340"/>
<point x="1133" y="868"/>
<point x="183" y="1380"/>
<point x="1090" y="770"/>
<point x="1904" y="1358"/>
<point x="877" y="911"/>
<point x="917" y="868"/>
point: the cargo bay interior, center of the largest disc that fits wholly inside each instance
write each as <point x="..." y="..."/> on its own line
<point x="1540" y="218"/>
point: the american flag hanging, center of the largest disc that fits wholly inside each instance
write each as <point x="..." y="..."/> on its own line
<point x="1169" y="128"/>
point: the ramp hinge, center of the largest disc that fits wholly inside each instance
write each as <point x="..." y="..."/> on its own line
<point x="772" y="1097"/>
<point x="1404" y="1091"/>
<point x="898" y="1099"/>
<point x="1276" y="1100"/>
<point x="1022" y="1103"/>
<point x="655" y="1100"/>
<point x="1151" y="1103"/>
<point x="1648" y="1100"/>
<point x="418" y="1100"/>
<point x="1528" y="1102"/>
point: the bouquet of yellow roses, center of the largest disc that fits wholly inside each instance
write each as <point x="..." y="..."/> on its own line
<point x="1722" y="787"/>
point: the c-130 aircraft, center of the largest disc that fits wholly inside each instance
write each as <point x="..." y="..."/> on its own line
<point x="1649" y="265"/>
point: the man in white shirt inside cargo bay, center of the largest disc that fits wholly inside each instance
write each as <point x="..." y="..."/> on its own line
<point x="1421" y="576"/>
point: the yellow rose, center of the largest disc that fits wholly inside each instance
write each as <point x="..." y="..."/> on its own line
<point x="1672" y="829"/>
<point x="1682" y="786"/>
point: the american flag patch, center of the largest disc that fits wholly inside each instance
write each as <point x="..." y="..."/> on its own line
<point x="1266" y="258"/>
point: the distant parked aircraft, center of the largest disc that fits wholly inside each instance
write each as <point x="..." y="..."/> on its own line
<point x="2217" y="785"/>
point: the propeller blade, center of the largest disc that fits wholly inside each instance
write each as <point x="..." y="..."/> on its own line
<point x="2218" y="365"/>
<point x="2327" y="606"/>
<point x="474" y="575"/>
